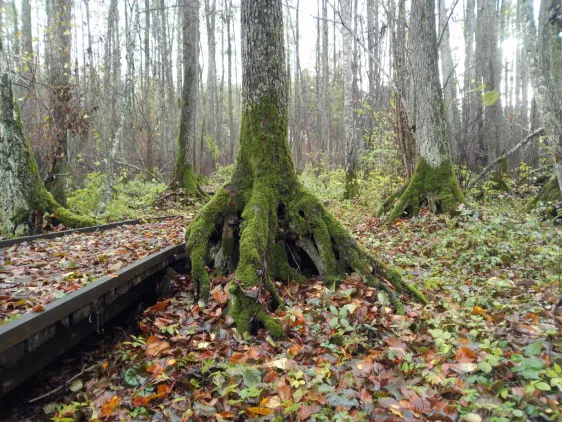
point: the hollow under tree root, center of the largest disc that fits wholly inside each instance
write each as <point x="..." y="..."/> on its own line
<point x="266" y="238"/>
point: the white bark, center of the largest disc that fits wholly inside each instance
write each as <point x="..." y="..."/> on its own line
<point x="349" y="132"/>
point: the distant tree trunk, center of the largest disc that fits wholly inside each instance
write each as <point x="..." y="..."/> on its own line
<point x="471" y="102"/>
<point x="372" y="34"/>
<point x="27" y="45"/>
<point x="545" y="95"/>
<point x="184" y="175"/>
<point x="263" y="218"/>
<point x="231" y="130"/>
<point x="24" y="198"/>
<point x="325" y="84"/>
<point x="449" y="79"/>
<point x="59" y="96"/>
<point x="210" y="97"/>
<point x="351" y="146"/>
<point x="488" y="56"/>
<point x="434" y="182"/>
<point x="146" y="90"/>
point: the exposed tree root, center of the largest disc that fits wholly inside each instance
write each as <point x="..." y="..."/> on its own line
<point x="264" y="235"/>
<point x="388" y="203"/>
<point x="436" y="187"/>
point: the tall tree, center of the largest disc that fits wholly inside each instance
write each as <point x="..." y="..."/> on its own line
<point x="324" y="106"/>
<point x="263" y="219"/>
<point x="24" y="198"/>
<point x="434" y="181"/>
<point x="449" y="77"/>
<point x="211" y="94"/>
<point x="545" y="93"/>
<point x="184" y="174"/>
<point x="351" y="146"/>
<point x="59" y="17"/>
<point x="231" y="131"/>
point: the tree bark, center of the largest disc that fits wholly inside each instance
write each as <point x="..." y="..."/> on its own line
<point x="184" y="175"/>
<point x="545" y="95"/>
<point x="434" y="182"/>
<point x="449" y="78"/>
<point x="59" y="96"/>
<point x="263" y="221"/>
<point x="24" y="198"/>
<point x="351" y="146"/>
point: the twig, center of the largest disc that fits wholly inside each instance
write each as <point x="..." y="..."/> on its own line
<point x="65" y="385"/>
<point x="509" y="153"/>
<point x="124" y="163"/>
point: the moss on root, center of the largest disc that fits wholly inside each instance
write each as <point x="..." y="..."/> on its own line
<point x="550" y="192"/>
<point x="435" y="186"/>
<point x="388" y="203"/>
<point x="282" y="231"/>
<point x="186" y="179"/>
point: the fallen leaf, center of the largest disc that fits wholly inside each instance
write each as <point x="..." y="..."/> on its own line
<point x="107" y="409"/>
<point x="155" y="346"/>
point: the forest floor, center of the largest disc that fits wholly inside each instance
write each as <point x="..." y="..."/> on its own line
<point x="486" y="348"/>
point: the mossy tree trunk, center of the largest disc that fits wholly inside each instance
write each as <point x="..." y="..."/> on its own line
<point x="263" y="224"/>
<point x="184" y="174"/>
<point x="24" y="198"/>
<point x="434" y="182"/>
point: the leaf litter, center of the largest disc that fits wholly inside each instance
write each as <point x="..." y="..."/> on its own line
<point x="35" y="273"/>
<point x="487" y="347"/>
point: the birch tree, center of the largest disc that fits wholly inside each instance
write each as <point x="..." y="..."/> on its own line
<point x="434" y="182"/>
<point x="263" y="220"/>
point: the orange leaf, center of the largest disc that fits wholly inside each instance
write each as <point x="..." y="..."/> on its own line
<point x="159" y="307"/>
<point x="220" y="296"/>
<point x="164" y="390"/>
<point x="140" y="401"/>
<point x="262" y="411"/>
<point x="108" y="408"/>
<point x="294" y="350"/>
<point x="38" y="308"/>
<point x="477" y="310"/>
<point x="155" y="346"/>
<point x="238" y="358"/>
<point x="105" y="365"/>
<point x="466" y="355"/>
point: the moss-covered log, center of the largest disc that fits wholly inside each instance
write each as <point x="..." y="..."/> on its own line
<point x="264" y="224"/>
<point x="24" y="197"/>
<point x="434" y="182"/>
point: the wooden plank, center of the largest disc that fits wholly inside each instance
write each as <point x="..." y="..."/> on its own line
<point x="29" y="324"/>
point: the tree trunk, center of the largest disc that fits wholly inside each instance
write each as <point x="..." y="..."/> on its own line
<point x="547" y="101"/>
<point x="351" y="147"/>
<point x="24" y="198"/>
<point x="263" y="221"/>
<point x="231" y="130"/>
<point x="325" y="119"/>
<point x="184" y="175"/>
<point x="211" y="95"/>
<point x="434" y="182"/>
<point x="59" y="81"/>
<point x="449" y="79"/>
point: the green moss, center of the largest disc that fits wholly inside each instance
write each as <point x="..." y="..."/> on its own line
<point x="550" y="192"/>
<point x="436" y="185"/>
<point x="244" y="310"/>
<point x="351" y="185"/>
<point x="197" y="237"/>
<point x="388" y="203"/>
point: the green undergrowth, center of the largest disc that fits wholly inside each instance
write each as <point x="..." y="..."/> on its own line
<point x="130" y="198"/>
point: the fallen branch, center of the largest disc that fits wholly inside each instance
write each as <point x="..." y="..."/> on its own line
<point x="65" y="385"/>
<point x="508" y="154"/>
<point x="154" y="176"/>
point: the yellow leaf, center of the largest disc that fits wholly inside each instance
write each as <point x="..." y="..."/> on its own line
<point x="262" y="411"/>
